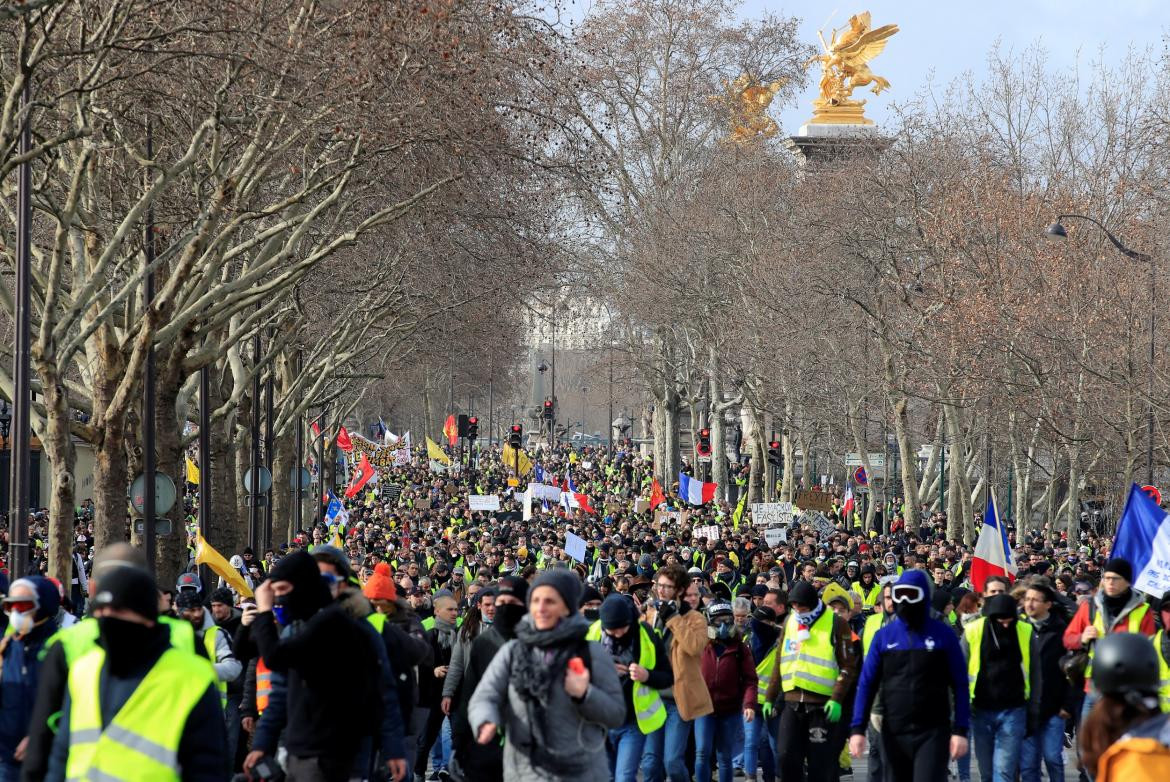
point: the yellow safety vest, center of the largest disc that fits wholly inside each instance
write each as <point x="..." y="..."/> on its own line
<point x="80" y="638"/>
<point x="209" y="647"/>
<point x="868" y="600"/>
<point x="974" y="633"/>
<point x="872" y="625"/>
<point x="141" y="743"/>
<point x="764" y="674"/>
<point x="648" y="707"/>
<point x="810" y="664"/>
<point x="1163" y="672"/>
<point x="1133" y="624"/>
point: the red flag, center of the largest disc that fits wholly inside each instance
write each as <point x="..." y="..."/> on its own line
<point x="365" y="471"/>
<point x="451" y="430"/>
<point x="316" y="430"/>
<point x="583" y="502"/>
<point x="343" y="441"/>
<point x="656" y="495"/>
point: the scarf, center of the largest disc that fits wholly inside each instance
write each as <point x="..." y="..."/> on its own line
<point x="805" y="621"/>
<point x="445" y="632"/>
<point x="539" y="662"/>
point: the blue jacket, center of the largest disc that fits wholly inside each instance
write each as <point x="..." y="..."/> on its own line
<point x="19" y="676"/>
<point x="914" y="670"/>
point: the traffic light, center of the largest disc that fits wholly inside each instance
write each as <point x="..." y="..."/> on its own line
<point x="703" y="443"/>
<point x="548" y="412"/>
<point x="461" y="424"/>
<point x="774" y="456"/>
<point x="514" y="437"/>
<point x="472" y="428"/>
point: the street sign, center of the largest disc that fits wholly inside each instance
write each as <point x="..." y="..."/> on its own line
<point x="265" y="479"/>
<point x="876" y="460"/>
<point x="1155" y="495"/>
<point x="860" y="478"/>
<point x="161" y="526"/>
<point x="298" y="472"/>
<point x="164" y="493"/>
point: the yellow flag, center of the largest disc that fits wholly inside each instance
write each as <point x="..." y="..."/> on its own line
<point x="514" y="459"/>
<point x="192" y="472"/>
<point x="436" y="453"/>
<point x="336" y="541"/>
<point x="206" y="555"/>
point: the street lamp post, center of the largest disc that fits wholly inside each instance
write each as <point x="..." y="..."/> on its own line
<point x="18" y="496"/>
<point x="1057" y="231"/>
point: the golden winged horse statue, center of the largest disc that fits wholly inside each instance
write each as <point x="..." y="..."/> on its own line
<point x="845" y="67"/>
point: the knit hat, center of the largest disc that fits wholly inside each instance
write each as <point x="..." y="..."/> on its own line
<point x="617" y="611"/>
<point x="803" y="593"/>
<point x="1121" y="567"/>
<point x="1002" y="606"/>
<point x="565" y="582"/>
<point x="129" y="588"/>
<point x="187" y="599"/>
<point x="381" y="585"/>
<point x="517" y="587"/>
<point x="223" y="595"/>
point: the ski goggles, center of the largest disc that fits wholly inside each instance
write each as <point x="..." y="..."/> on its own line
<point x="907" y="593"/>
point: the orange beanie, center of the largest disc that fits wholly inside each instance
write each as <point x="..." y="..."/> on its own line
<point x="380" y="586"/>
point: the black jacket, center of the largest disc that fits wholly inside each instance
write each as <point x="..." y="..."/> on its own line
<point x="1055" y="691"/>
<point x="333" y="682"/>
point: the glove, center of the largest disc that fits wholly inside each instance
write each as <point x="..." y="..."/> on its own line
<point x="666" y="609"/>
<point x="769" y="710"/>
<point x="833" y="711"/>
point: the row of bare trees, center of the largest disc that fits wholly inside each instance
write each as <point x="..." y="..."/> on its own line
<point x="908" y="292"/>
<point x="355" y="186"/>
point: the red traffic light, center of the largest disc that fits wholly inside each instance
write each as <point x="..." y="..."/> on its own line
<point x="516" y="428"/>
<point x="473" y="420"/>
<point x="774" y="445"/>
<point x="704" y="433"/>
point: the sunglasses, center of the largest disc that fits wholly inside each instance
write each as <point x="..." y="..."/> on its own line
<point x="907" y="593"/>
<point x="21" y="606"/>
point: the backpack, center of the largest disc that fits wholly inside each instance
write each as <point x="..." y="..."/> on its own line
<point x="1142" y="755"/>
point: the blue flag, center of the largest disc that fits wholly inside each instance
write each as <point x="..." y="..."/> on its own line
<point x="1143" y="539"/>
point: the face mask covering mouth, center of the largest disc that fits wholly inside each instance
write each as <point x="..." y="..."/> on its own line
<point x="21" y="622"/>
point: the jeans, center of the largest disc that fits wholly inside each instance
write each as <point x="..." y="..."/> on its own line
<point x="232" y="718"/>
<point x="441" y="752"/>
<point x="1046" y="743"/>
<point x="664" y="756"/>
<point x="1091" y="698"/>
<point x="998" y="735"/>
<point x="625" y="752"/>
<point x="715" y="735"/>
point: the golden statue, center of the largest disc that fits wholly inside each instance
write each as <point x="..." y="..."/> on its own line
<point x="747" y="101"/>
<point x="845" y="68"/>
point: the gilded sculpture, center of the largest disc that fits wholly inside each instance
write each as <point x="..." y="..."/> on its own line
<point x="845" y="67"/>
<point x="747" y="101"/>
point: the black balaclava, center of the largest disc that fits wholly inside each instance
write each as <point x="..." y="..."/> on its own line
<point x="309" y="594"/>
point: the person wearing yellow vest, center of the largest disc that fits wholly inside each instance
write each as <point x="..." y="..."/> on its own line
<point x="1125" y="738"/>
<point x="1003" y="671"/>
<point x="643" y="669"/>
<point x="136" y="708"/>
<point x="1162" y="647"/>
<point x="816" y="669"/>
<point x="868" y="587"/>
<point x="211" y="642"/>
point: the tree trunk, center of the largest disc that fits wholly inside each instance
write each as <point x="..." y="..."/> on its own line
<point x="170" y="550"/>
<point x="909" y="458"/>
<point x="283" y="491"/>
<point x="57" y="442"/>
<point x="110" y="469"/>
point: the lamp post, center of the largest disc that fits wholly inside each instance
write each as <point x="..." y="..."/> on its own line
<point x="1057" y="232"/>
<point x="5" y="461"/>
<point x="18" y="497"/>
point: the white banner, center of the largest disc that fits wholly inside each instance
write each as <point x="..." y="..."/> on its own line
<point x="774" y="536"/>
<point x="710" y="532"/>
<point x="485" y="502"/>
<point x="543" y="491"/>
<point x="771" y="514"/>
<point x="575" y="546"/>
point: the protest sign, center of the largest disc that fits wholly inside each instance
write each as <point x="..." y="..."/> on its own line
<point x="488" y="502"/>
<point x="641" y="505"/>
<point x="575" y="546"/>
<point x="541" y="491"/>
<point x="774" y="536"/>
<point x="814" y="500"/>
<point x="771" y="514"/>
<point x="710" y="532"/>
<point x="821" y="525"/>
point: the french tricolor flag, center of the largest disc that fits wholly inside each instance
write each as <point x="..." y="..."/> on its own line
<point x="993" y="553"/>
<point x="571" y="498"/>
<point x="694" y="491"/>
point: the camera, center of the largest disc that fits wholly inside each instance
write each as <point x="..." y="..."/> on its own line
<point x="265" y="770"/>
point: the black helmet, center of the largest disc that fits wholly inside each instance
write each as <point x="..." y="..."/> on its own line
<point x="1125" y="664"/>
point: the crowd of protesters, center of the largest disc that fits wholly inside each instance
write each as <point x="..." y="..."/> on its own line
<point x="411" y="637"/>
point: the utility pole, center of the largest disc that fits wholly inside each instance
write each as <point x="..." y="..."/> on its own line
<point x="254" y="490"/>
<point x="204" y="461"/>
<point x="150" y="458"/>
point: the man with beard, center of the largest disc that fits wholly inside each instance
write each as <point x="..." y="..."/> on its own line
<point x="912" y="655"/>
<point x="471" y="760"/>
